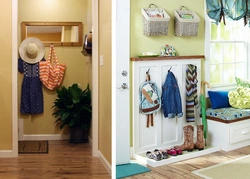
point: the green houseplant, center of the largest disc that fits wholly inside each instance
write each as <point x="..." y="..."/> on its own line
<point x="72" y="108"/>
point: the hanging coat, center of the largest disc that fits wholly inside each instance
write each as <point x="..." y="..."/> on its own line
<point x="171" y="98"/>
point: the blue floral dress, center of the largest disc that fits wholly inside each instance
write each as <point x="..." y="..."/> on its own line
<point x="31" y="93"/>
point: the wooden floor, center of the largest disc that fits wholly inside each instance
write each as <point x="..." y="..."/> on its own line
<point x="182" y="170"/>
<point x="64" y="161"/>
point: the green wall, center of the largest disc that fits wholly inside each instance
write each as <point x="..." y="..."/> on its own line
<point x="185" y="46"/>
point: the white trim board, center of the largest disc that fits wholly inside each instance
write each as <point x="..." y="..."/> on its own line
<point x="7" y="153"/>
<point x="44" y="137"/>
<point x="105" y="163"/>
<point x="95" y="67"/>
<point x="14" y="80"/>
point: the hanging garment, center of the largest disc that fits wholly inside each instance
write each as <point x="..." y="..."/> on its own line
<point x="191" y="92"/>
<point x="31" y="92"/>
<point x="51" y="71"/>
<point x="171" y="98"/>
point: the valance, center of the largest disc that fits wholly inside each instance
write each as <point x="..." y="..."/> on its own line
<point x="233" y="9"/>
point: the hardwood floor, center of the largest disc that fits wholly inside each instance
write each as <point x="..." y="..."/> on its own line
<point x="183" y="169"/>
<point x="64" y="161"/>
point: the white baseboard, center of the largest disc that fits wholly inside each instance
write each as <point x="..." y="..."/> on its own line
<point x="7" y="153"/>
<point x="44" y="137"/>
<point x="105" y="163"/>
<point x="90" y="142"/>
<point x="131" y="152"/>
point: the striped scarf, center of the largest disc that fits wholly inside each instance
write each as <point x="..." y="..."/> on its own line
<point x="191" y="92"/>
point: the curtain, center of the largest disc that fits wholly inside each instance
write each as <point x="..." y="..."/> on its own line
<point x="233" y="9"/>
<point x="214" y="10"/>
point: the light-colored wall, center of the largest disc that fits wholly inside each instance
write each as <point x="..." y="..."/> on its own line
<point x="76" y="63"/>
<point x="105" y="79"/>
<point x="6" y="77"/>
<point x="183" y="45"/>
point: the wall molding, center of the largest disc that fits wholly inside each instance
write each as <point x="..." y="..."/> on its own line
<point x="44" y="137"/>
<point x="14" y="79"/>
<point x="7" y="153"/>
<point x="105" y="163"/>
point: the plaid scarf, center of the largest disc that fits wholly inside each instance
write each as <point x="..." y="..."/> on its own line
<point x="191" y="92"/>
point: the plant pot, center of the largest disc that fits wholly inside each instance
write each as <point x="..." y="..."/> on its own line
<point x="78" y="135"/>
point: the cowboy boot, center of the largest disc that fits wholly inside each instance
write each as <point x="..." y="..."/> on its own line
<point x="200" y="140"/>
<point x="188" y="139"/>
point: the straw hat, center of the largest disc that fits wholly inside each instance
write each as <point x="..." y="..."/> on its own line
<point x="31" y="50"/>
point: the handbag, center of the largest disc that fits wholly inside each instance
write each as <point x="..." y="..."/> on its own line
<point x="51" y="71"/>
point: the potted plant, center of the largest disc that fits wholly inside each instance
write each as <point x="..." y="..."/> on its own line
<point x="73" y="108"/>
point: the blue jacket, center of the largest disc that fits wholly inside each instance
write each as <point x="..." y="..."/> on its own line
<point x="171" y="98"/>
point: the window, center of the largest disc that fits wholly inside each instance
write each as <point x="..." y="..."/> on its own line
<point x="228" y="47"/>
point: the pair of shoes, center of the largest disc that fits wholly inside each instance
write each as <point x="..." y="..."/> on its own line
<point x="154" y="155"/>
<point x="164" y="154"/>
<point x="157" y="155"/>
<point x="174" y="152"/>
<point x="189" y="144"/>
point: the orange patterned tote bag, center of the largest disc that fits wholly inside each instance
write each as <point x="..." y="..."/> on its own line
<point x="51" y="71"/>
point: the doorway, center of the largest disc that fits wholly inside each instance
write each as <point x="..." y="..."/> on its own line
<point x="15" y="88"/>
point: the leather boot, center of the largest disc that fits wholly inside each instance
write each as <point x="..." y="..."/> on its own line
<point x="200" y="139"/>
<point x="188" y="139"/>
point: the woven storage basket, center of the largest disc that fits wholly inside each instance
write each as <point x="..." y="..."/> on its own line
<point x="185" y="27"/>
<point x="153" y="26"/>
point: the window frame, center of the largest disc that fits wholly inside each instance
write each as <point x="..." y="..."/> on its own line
<point x="207" y="58"/>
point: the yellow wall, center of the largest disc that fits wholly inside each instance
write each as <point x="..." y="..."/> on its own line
<point x="77" y="68"/>
<point x="105" y="79"/>
<point x="6" y="77"/>
<point x="55" y="37"/>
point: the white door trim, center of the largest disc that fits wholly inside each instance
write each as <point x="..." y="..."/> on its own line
<point x="14" y="79"/>
<point x="95" y="75"/>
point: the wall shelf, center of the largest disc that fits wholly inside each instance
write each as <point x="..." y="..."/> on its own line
<point x="168" y="58"/>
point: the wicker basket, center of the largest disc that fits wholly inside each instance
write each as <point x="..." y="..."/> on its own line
<point x="153" y="26"/>
<point x="185" y="27"/>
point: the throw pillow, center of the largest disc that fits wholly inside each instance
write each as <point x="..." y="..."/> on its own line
<point x="219" y="99"/>
<point x="242" y="82"/>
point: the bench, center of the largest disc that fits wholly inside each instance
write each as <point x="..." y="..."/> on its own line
<point x="228" y="127"/>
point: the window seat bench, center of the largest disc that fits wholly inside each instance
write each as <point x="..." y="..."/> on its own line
<point x="228" y="127"/>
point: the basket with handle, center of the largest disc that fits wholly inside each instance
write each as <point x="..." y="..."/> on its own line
<point x="186" y="22"/>
<point x="157" y="24"/>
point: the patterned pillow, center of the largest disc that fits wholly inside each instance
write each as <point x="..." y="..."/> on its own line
<point x="242" y="82"/>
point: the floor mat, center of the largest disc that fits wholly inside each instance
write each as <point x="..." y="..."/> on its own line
<point x="129" y="170"/>
<point x="33" y="147"/>
<point x="236" y="168"/>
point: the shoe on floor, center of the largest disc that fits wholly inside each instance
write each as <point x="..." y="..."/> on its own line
<point x="154" y="155"/>
<point x="164" y="154"/>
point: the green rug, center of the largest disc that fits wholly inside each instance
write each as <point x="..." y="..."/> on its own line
<point x="235" y="169"/>
<point x="33" y="147"/>
<point x="129" y="170"/>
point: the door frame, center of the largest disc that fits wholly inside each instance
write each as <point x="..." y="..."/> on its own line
<point x="95" y="76"/>
<point x="14" y="79"/>
<point x="15" y="119"/>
